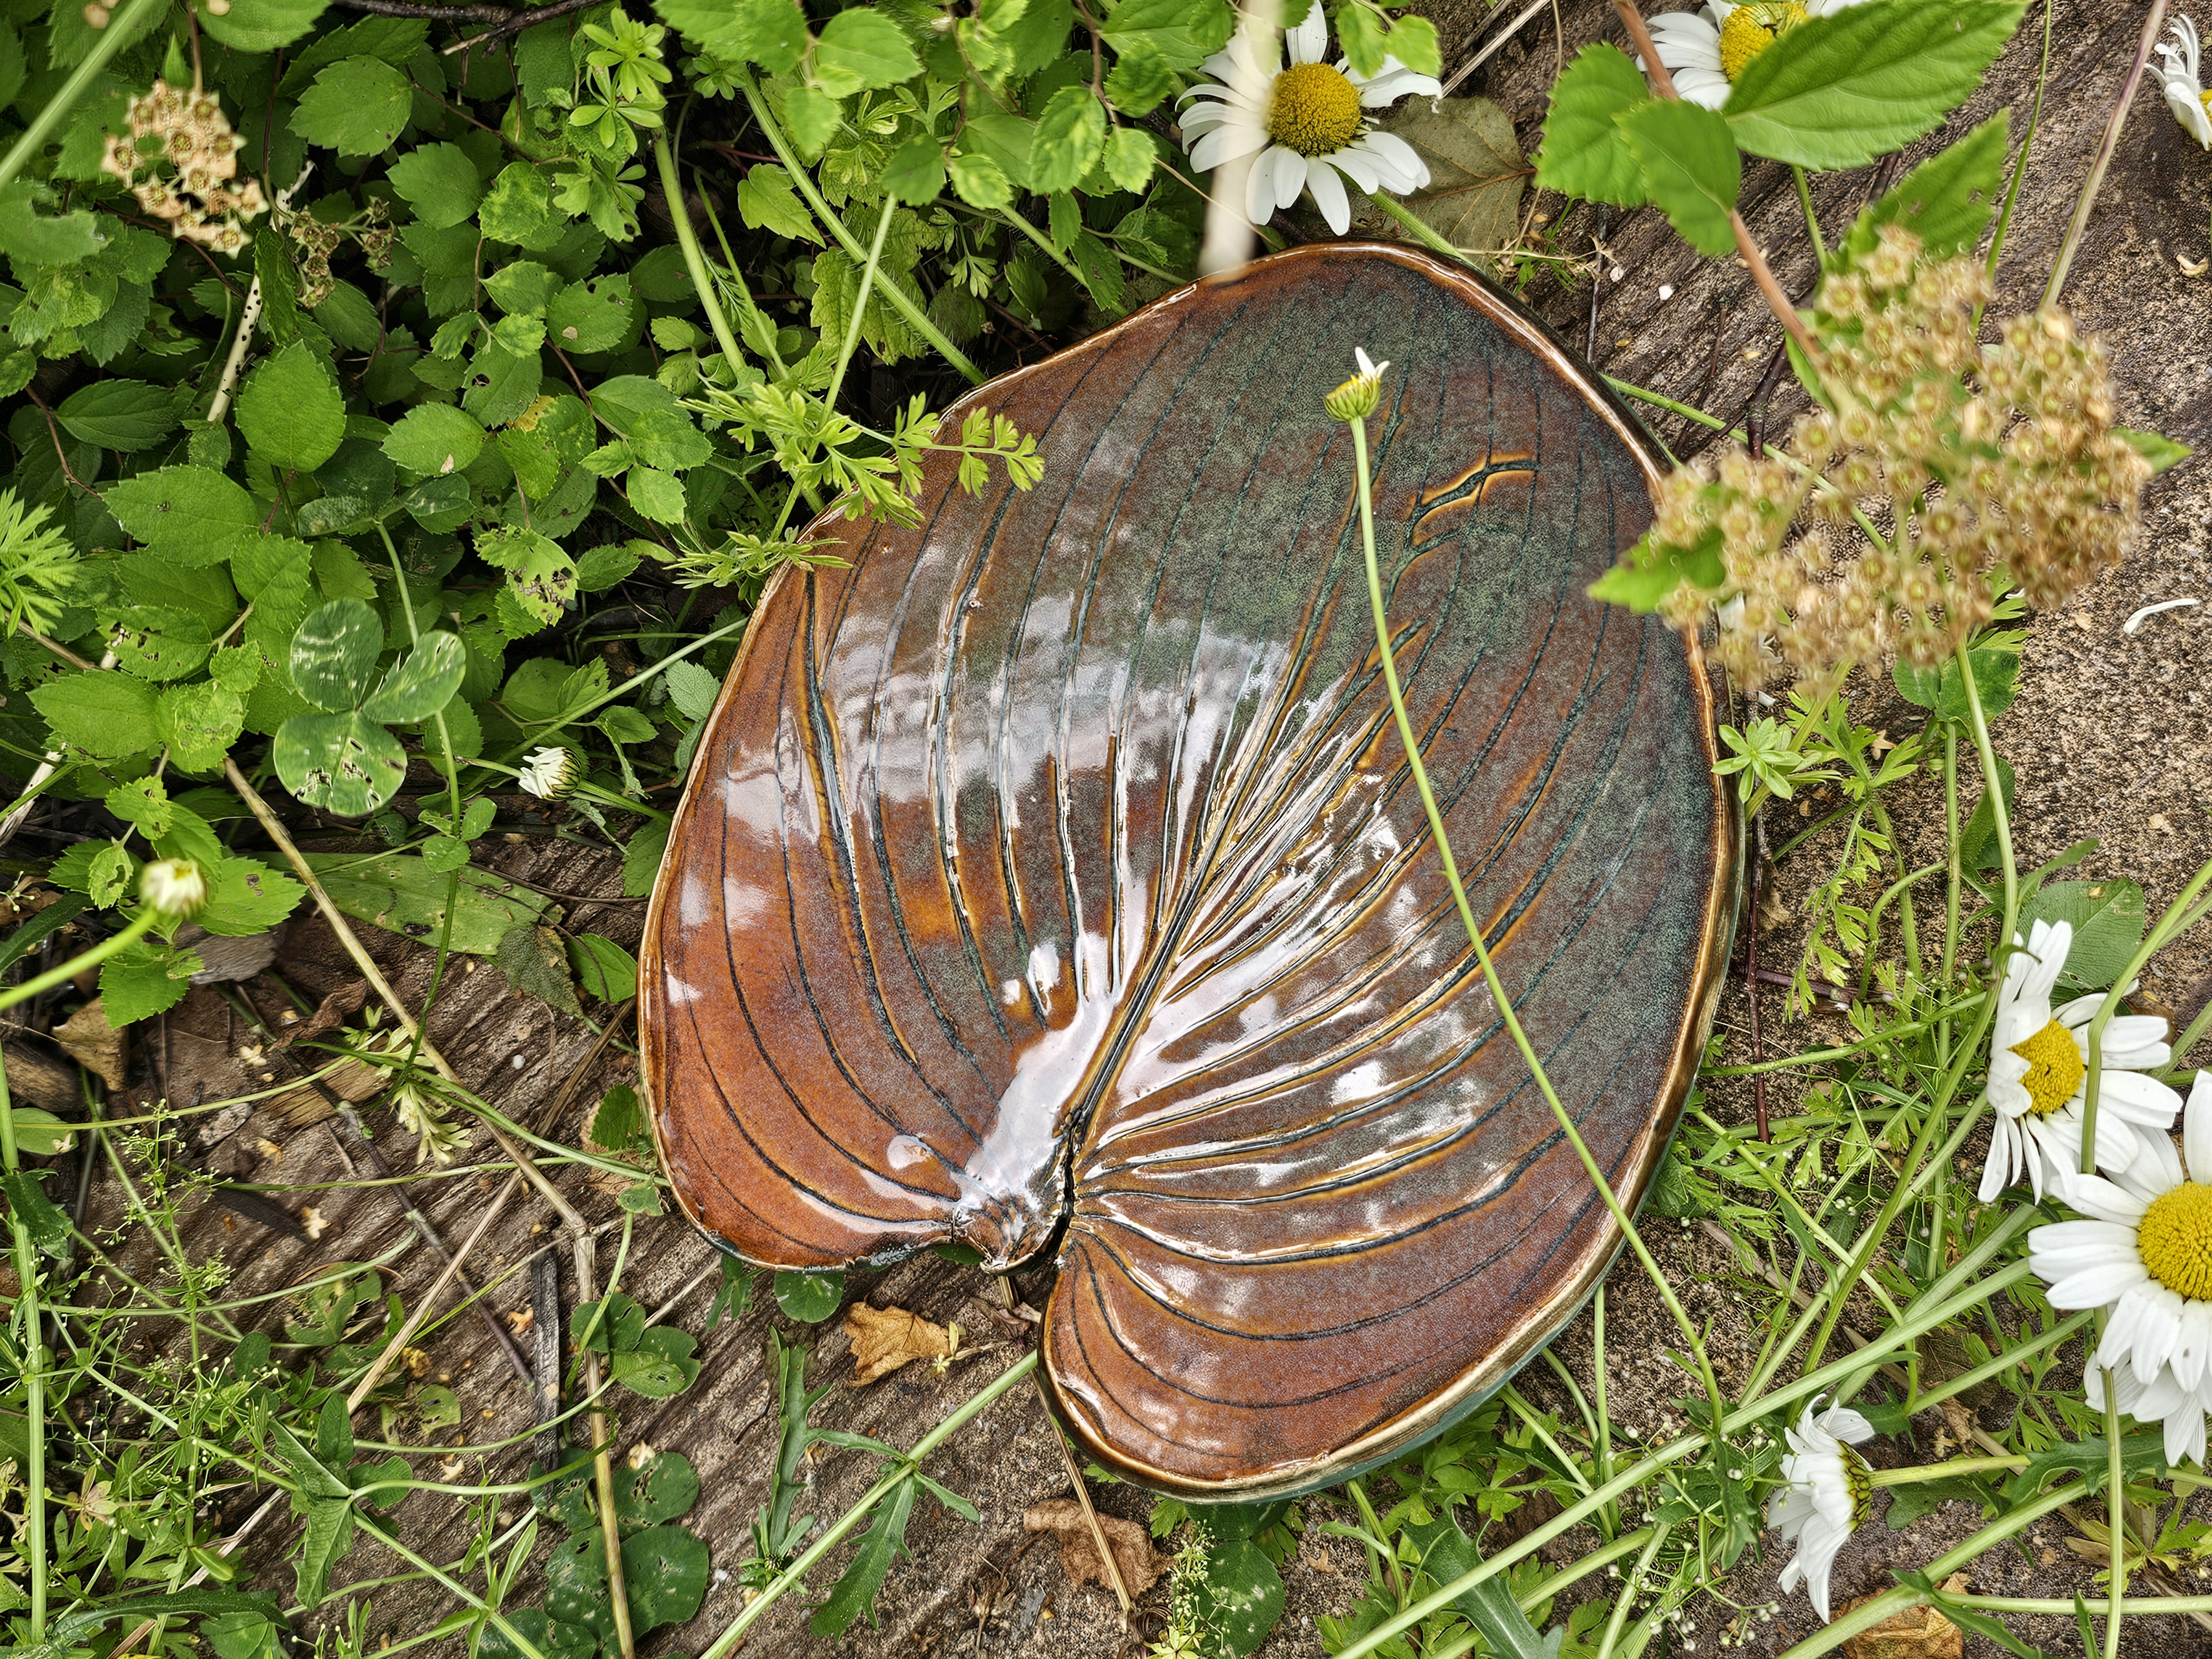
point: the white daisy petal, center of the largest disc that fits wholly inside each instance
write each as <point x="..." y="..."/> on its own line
<point x="2097" y="1287"/>
<point x="2197" y="1127"/>
<point x="1395" y="152"/>
<point x="1260" y="186"/>
<point x="1328" y="195"/>
<point x="1309" y="42"/>
<point x="1708" y="88"/>
<point x="1225" y="144"/>
<point x="1289" y="175"/>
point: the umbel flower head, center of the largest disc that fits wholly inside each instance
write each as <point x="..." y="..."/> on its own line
<point x="1707" y="48"/>
<point x="1828" y="1496"/>
<point x="2144" y="1256"/>
<point x="184" y="144"/>
<point x="2039" y="1076"/>
<point x="1308" y="122"/>
<point x="1942" y="471"/>
<point x="2184" y="89"/>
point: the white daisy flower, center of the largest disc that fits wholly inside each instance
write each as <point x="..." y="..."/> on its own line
<point x="1705" y="50"/>
<point x="1308" y="122"/>
<point x="2039" y="1073"/>
<point x="2145" y="1256"/>
<point x="1829" y="1489"/>
<point x="548" y="773"/>
<point x="2184" y="92"/>
<point x="174" y="887"/>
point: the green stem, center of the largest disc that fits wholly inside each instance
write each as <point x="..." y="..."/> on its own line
<point x="2019" y="167"/>
<point x="1644" y="394"/>
<point x="2116" y="1517"/>
<point x="732" y="1637"/>
<point x="1993" y="791"/>
<point x="1918" y="1472"/>
<point x="1812" y="224"/>
<point x="900" y="301"/>
<point x="1388" y="658"/>
<point x="56" y="107"/>
<point x="34" y="1373"/>
<point x="2177" y="918"/>
<point x="451" y="1586"/>
<point x="1422" y="232"/>
<point x="694" y="260"/>
<point x="139" y="926"/>
<point x="1627" y="1597"/>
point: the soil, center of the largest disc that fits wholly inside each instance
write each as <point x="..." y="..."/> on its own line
<point x="2109" y="735"/>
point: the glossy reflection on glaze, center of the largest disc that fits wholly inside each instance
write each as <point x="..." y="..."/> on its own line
<point x="1056" y="862"/>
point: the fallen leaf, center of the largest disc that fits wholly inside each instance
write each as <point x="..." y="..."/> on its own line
<point x="417" y="1362"/>
<point x="1141" y="1564"/>
<point x="885" y="1338"/>
<point x="1914" y="1633"/>
<point x="341" y="1006"/>
<point x="95" y="1044"/>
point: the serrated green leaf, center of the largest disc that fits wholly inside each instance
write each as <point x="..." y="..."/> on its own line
<point x="398" y="892"/>
<point x="102" y="712"/>
<point x="291" y="411"/>
<point x="144" y="978"/>
<point x="356" y="107"/>
<point x="916" y="172"/>
<point x="439" y="182"/>
<point x="767" y="200"/>
<point x="190" y="514"/>
<point x="518" y="208"/>
<point x="1585" y="152"/>
<point x="1181" y="33"/>
<point x="1690" y="166"/>
<point x="769" y="32"/>
<point x="124" y="415"/>
<point x="432" y="439"/>
<point x="591" y="316"/>
<point x="198" y="723"/>
<point x="604" y="969"/>
<point x="1946" y="201"/>
<point x="860" y="49"/>
<point x="855" y="1592"/>
<point x="1070" y="134"/>
<point x="980" y="181"/>
<point x="1841" y="90"/>
<point x="254" y="25"/>
<point x="656" y="495"/>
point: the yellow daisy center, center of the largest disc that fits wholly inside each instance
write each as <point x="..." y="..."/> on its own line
<point x="1317" y="110"/>
<point x="1750" y="29"/>
<point x="2175" y="1240"/>
<point x="2055" y="1070"/>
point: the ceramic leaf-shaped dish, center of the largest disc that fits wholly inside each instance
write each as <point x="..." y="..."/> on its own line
<point x="1051" y="878"/>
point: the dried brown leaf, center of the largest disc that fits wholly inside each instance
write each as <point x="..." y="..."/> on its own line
<point x="887" y="1338"/>
<point x="1914" y="1633"/>
<point x="95" y="1044"/>
<point x="1141" y="1564"/>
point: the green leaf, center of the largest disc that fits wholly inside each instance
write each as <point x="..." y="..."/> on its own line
<point x="539" y="572"/>
<point x="809" y="1297"/>
<point x="42" y="1218"/>
<point x="518" y="208"/>
<point x="767" y="200"/>
<point x="439" y="182"/>
<point x="1946" y="201"/>
<point x="1839" y="91"/>
<point x="80" y="1621"/>
<point x="591" y="316"/>
<point x="125" y="414"/>
<point x="658" y="496"/>
<point x="2161" y="452"/>
<point x="1977" y="845"/>
<point x="1070" y="135"/>
<point x="143" y="979"/>
<point x="1247" y="1593"/>
<point x="34" y="238"/>
<point x="618" y="1121"/>
<point x="420" y="683"/>
<point x="102" y="712"/>
<point x="397" y="892"/>
<point x="659" y="1365"/>
<point x="855" y="1592"/>
<point x="1690" y="168"/>
<point x="39" y="1133"/>
<point x="246" y="898"/>
<point x="641" y="860"/>
<point x="1585" y="152"/>
<point x="1997" y="683"/>
<point x="334" y="652"/>
<point x="531" y="958"/>
<point x="1473" y="198"/>
<point x="916" y="172"/>
<point x="191" y="515"/>
<point x="256" y="26"/>
<point x="2108" y="919"/>
<point x="432" y="439"/>
<point x="769" y="32"/>
<point x="1447" y="1552"/>
<point x="980" y="181"/>
<point x="1908" y="1503"/>
<point x="344" y="764"/>
<point x="1181" y="32"/>
<point x="664" y="1489"/>
<point x="604" y="969"/>
<point x="1651" y="570"/>
<point x="356" y="107"/>
<point x="290" y="410"/>
<point x="1140" y="79"/>
<point x="2140" y="1452"/>
<point x="198" y="723"/>
<point x="859" y="49"/>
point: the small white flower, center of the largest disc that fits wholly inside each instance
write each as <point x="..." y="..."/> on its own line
<point x="1828" y="1496"/>
<point x="1707" y="48"/>
<point x="2185" y="92"/>
<point x="174" y="887"/>
<point x="2145" y="1256"/>
<point x="2039" y="1072"/>
<point x="548" y="773"/>
<point x="1308" y="122"/>
<point x="1357" y="398"/>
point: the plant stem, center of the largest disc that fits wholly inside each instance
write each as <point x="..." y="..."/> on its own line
<point x="2019" y="167"/>
<point x="2116" y="1518"/>
<point x="1993" y="791"/>
<point x="34" y="1348"/>
<point x="57" y="105"/>
<point x="139" y="926"/>
<point x="694" y="260"/>
<point x="2154" y="21"/>
<point x="1919" y="1472"/>
<point x="1812" y="224"/>
<point x="900" y="299"/>
<point x="1387" y="654"/>
<point x="732" y="1637"/>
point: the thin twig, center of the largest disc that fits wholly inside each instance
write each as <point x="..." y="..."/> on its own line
<point x="517" y="22"/>
<point x="434" y="14"/>
<point x="2154" y="21"/>
<point x="1489" y="51"/>
<point x="1098" y="1538"/>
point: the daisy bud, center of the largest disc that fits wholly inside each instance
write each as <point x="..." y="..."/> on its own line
<point x="174" y="887"/>
<point x="548" y="773"/>
<point x="1358" y="397"/>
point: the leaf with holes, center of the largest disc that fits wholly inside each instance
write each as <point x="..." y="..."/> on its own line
<point x="344" y="764"/>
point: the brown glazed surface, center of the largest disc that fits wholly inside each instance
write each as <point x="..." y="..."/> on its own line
<point x="1056" y="863"/>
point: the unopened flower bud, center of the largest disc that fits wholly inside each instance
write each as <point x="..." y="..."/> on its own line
<point x="1358" y="397"/>
<point x="548" y="773"/>
<point x="174" y="887"/>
